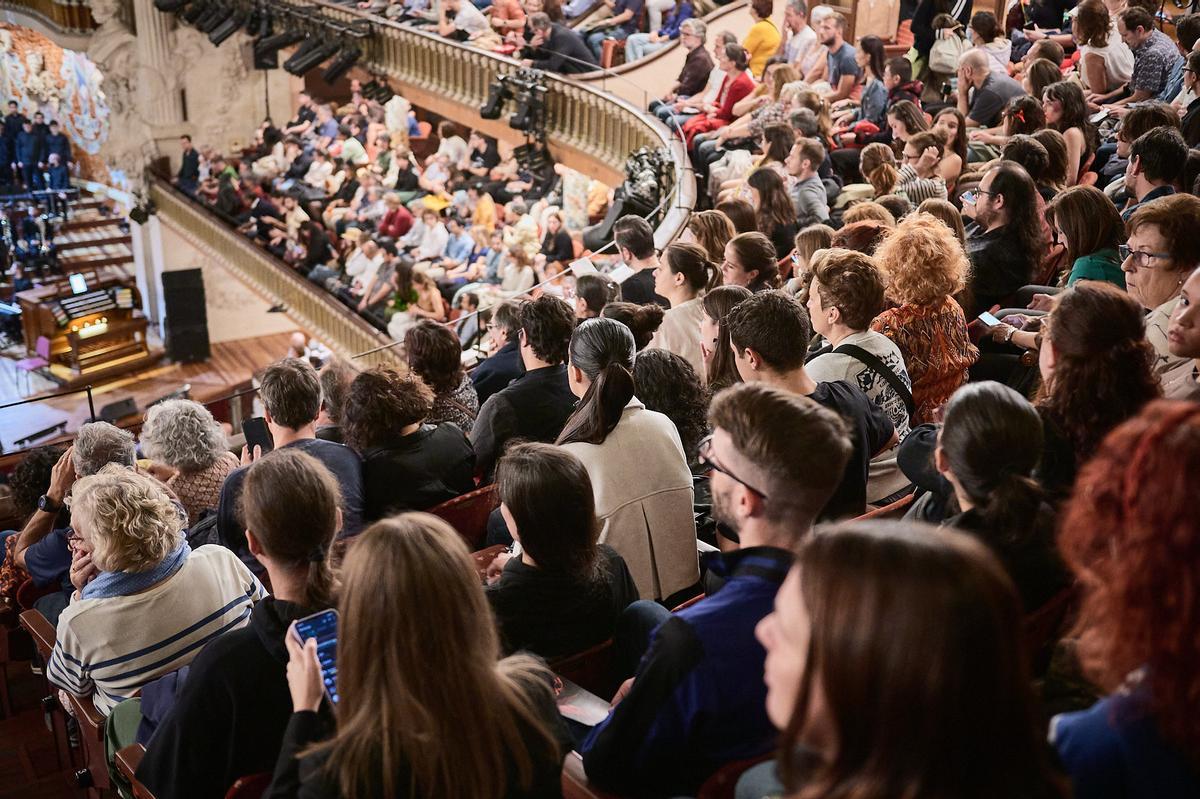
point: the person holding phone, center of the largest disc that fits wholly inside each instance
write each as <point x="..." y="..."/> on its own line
<point x="228" y="719"/>
<point x="418" y="664"/>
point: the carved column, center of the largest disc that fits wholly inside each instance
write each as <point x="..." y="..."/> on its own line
<point x="160" y="101"/>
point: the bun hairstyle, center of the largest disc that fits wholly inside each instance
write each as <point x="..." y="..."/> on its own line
<point x="737" y="54"/>
<point x="603" y="349"/>
<point x="642" y="320"/>
<point x="992" y="440"/>
<point x="878" y="166"/>
<point x="691" y="261"/>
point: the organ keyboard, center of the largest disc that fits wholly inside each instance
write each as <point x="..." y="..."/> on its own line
<point x="87" y="331"/>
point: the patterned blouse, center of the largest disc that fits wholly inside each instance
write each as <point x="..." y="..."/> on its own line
<point x="199" y="491"/>
<point x="454" y="406"/>
<point x="937" y="351"/>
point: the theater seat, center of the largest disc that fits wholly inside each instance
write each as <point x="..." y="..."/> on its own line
<point x="893" y="511"/>
<point x="469" y="513"/>
<point x="1043" y="628"/>
<point x="723" y="784"/>
<point x="593" y="669"/>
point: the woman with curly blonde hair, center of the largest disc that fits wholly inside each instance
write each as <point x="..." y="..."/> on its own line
<point x="189" y="453"/>
<point x="712" y="230"/>
<point x="1132" y="537"/>
<point x="144" y="603"/>
<point x="925" y="266"/>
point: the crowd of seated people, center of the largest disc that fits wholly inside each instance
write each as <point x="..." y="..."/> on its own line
<point x="1011" y="366"/>
<point x="339" y="196"/>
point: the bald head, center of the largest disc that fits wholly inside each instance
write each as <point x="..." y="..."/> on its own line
<point x="973" y="67"/>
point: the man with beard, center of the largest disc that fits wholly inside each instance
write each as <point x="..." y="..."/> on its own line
<point x="776" y="458"/>
<point x="1005" y="239"/>
<point x="843" y="71"/>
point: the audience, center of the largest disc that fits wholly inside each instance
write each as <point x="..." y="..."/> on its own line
<point x="925" y="265"/>
<point x="144" y="602"/>
<point x="1129" y="540"/>
<point x="1005" y="238"/>
<point x="768" y="333"/>
<point x="535" y="405"/>
<point x="291" y="396"/>
<point x="189" y="453"/>
<point x="434" y="354"/>
<point x="750" y="262"/>
<point x="1087" y="224"/>
<point x="408" y="463"/>
<point x="410" y="597"/>
<point x="720" y="370"/>
<point x="229" y="716"/>
<point x="638" y="469"/>
<point x="670" y="730"/>
<point x="563" y="593"/>
<point x="861" y="601"/>
<point x="504" y="364"/>
<point x="683" y="276"/>
<point x="592" y="293"/>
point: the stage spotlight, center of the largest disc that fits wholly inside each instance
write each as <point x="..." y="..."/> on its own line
<point x="170" y="6"/>
<point x="262" y="27"/>
<point x="226" y="29"/>
<point x="301" y="62"/>
<point x="498" y="93"/>
<point x="342" y="64"/>
<point x="526" y="114"/>
<point x="209" y="22"/>
<point x="195" y="11"/>
<point x="268" y="45"/>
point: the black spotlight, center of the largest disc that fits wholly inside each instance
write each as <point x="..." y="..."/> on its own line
<point x="498" y="93"/>
<point x="307" y="57"/>
<point x="210" y="21"/>
<point x="341" y="65"/>
<point x="227" y="28"/>
<point x="528" y="110"/>
<point x="268" y="45"/>
<point x="195" y="11"/>
<point x="170" y="6"/>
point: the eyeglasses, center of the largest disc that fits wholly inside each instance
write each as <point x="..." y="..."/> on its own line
<point x="988" y="193"/>
<point x="704" y="451"/>
<point x="1141" y="258"/>
<point x="73" y="540"/>
<point x="909" y="158"/>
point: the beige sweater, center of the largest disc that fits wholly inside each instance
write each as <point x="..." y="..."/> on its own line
<point x="643" y="492"/>
<point x="680" y="333"/>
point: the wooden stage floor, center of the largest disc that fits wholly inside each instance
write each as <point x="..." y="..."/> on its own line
<point x="230" y="366"/>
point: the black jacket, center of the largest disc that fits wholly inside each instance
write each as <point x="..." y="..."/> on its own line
<point x="1000" y="264"/>
<point x="230" y="715"/>
<point x="189" y="166"/>
<point x="1191" y="127"/>
<point x="496" y="372"/>
<point x="534" y="407"/>
<point x="553" y="614"/>
<point x="558" y="247"/>
<point x="565" y="50"/>
<point x="417" y="471"/>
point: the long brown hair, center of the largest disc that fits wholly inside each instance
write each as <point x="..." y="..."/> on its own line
<point x="775" y="207"/>
<point x="418" y="668"/>
<point x="1088" y="219"/>
<point x="691" y="261"/>
<point x="1102" y="373"/>
<point x="722" y="371"/>
<point x="713" y="230"/>
<point x="915" y="629"/>
<point x="603" y="349"/>
<point x="290" y="502"/>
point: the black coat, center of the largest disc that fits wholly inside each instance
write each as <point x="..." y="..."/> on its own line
<point x="565" y="52"/>
<point x="417" y="471"/>
<point x="229" y="717"/>
<point x="496" y="372"/>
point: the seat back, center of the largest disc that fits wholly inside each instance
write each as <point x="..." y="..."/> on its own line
<point x="891" y="511"/>
<point x="43" y="347"/>
<point x="251" y="787"/>
<point x="593" y="669"/>
<point x="469" y="513"/>
<point x="723" y="783"/>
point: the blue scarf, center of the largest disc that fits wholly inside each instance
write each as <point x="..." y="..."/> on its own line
<point x="107" y="585"/>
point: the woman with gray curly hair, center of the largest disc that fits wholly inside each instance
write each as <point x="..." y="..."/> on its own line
<point x="144" y="603"/>
<point x="189" y="451"/>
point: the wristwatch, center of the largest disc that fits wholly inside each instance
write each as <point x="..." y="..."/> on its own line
<point x="1008" y="334"/>
<point x="47" y="505"/>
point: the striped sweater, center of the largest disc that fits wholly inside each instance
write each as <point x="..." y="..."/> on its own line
<point x="109" y="648"/>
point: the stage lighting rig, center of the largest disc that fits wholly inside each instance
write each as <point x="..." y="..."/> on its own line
<point x="195" y="11"/>
<point x="230" y="26"/>
<point x="310" y="54"/>
<point x="339" y="66"/>
<point x="217" y="14"/>
<point x="498" y="94"/>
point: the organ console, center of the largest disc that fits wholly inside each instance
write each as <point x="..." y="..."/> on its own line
<point x="97" y="329"/>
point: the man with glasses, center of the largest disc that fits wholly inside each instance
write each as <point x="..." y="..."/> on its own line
<point x="696" y="701"/>
<point x="504" y="364"/>
<point x="1155" y="160"/>
<point x="1005" y="241"/>
<point x="769" y="333"/>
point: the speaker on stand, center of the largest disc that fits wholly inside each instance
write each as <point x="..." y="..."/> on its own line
<point x="187" y="318"/>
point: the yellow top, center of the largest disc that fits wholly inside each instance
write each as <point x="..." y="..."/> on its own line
<point x="761" y="43"/>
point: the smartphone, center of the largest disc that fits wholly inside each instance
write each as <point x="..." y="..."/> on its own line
<point x="988" y="319"/>
<point x="969" y="197"/>
<point x="1098" y="117"/>
<point x="258" y="434"/>
<point x="323" y="627"/>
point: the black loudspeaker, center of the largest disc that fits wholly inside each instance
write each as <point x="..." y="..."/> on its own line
<point x="187" y="319"/>
<point x="115" y="411"/>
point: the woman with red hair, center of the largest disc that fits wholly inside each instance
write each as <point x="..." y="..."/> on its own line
<point x="1132" y="537"/>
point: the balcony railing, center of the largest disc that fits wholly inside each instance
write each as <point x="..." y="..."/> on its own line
<point x="67" y="16"/>
<point x="320" y="314"/>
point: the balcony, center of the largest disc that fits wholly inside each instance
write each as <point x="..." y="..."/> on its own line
<point x="69" y="17"/>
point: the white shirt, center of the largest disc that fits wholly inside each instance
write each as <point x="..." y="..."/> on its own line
<point x="363" y="269"/>
<point x="802" y="49"/>
<point x="470" y="19"/>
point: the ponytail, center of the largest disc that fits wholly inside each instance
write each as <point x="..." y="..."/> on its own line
<point x="691" y="260"/>
<point x="642" y="320"/>
<point x="883" y="178"/>
<point x="1010" y="508"/>
<point x="603" y="349"/>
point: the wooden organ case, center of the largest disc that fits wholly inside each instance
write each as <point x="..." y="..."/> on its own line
<point x="95" y="330"/>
